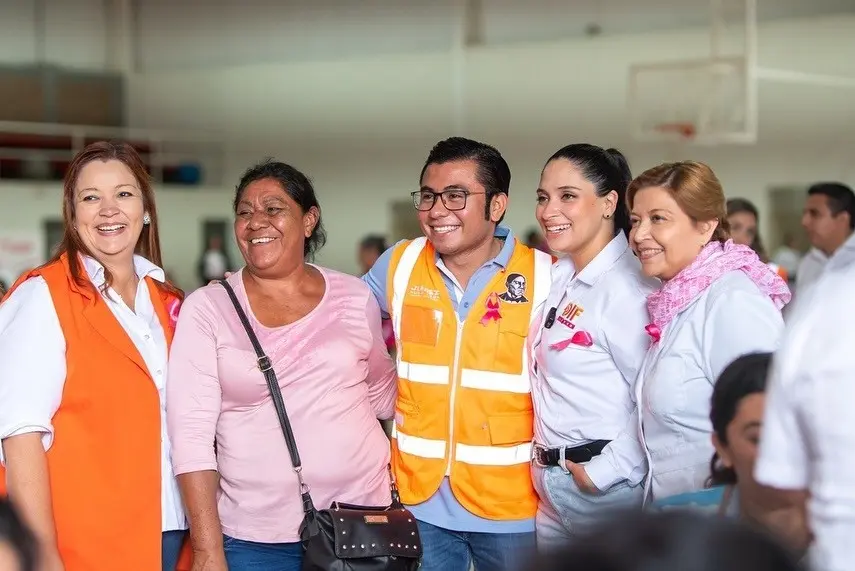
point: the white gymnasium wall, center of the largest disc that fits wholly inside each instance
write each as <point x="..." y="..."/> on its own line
<point x="513" y="92"/>
<point x="361" y="126"/>
<point x="74" y="33"/>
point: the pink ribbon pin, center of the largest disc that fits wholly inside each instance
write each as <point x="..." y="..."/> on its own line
<point x="654" y="332"/>
<point x="581" y="338"/>
<point x="492" y="312"/>
<point x="173" y="308"/>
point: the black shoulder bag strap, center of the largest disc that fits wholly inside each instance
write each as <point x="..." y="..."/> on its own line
<point x="276" y="394"/>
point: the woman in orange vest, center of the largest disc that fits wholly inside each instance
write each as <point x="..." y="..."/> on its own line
<point x="744" y="219"/>
<point x="83" y="354"/>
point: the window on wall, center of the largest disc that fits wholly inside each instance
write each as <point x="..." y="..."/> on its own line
<point x="53" y="230"/>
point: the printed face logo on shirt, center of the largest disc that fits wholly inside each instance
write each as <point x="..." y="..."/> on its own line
<point x="515" y="284"/>
<point x="570" y="314"/>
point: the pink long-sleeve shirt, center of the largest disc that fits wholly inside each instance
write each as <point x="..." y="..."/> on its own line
<point x="336" y="378"/>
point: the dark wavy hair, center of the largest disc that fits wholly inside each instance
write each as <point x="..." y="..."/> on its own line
<point x="743" y="377"/>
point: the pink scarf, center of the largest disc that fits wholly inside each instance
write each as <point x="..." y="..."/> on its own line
<point x="715" y="260"/>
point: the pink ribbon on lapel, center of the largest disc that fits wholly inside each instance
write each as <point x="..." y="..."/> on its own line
<point x="492" y="312"/>
<point x="581" y="338"/>
<point x="654" y="332"/>
<point x="173" y="309"/>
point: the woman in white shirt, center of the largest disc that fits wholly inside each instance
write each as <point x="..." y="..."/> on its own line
<point x="588" y="347"/>
<point x="718" y="301"/>
<point x="83" y="354"/>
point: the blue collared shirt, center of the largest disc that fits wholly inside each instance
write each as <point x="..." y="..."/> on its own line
<point x="442" y="509"/>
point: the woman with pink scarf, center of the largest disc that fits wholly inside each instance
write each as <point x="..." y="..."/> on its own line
<point x="718" y="301"/>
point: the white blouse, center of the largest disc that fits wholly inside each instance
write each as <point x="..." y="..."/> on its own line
<point x="730" y="319"/>
<point x="584" y="392"/>
<point x="30" y="332"/>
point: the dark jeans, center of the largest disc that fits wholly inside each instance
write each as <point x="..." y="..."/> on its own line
<point x="447" y="550"/>
<point x="172" y="543"/>
<point x="251" y="556"/>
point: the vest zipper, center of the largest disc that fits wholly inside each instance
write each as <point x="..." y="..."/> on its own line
<point x="454" y="376"/>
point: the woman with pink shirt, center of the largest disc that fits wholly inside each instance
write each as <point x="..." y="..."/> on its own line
<point x="321" y="330"/>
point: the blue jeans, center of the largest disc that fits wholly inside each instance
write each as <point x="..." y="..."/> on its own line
<point x="447" y="550"/>
<point x="564" y="510"/>
<point x="244" y="555"/>
<point x="171" y="548"/>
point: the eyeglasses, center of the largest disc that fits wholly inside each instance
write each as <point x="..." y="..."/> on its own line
<point x="424" y="200"/>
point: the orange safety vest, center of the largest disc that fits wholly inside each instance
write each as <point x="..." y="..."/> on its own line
<point x="104" y="463"/>
<point x="464" y="404"/>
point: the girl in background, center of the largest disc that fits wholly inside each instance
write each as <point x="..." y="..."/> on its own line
<point x="744" y="223"/>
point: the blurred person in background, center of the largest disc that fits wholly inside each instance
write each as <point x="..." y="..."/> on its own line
<point x="736" y="414"/>
<point x="461" y="447"/>
<point x="588" y="347"/>
<point x="535" y="240"/>
<point x="717" y="301"/>
<point x="670" y="542"/>
<point x="83" y="360"/>
<point x="788" y="256"/>
<point x="18" y="548"/>
<point x="829" y="220"/>
<point x="321" y="330"/>
<point x="744" y="223"/>
<point x="370" y="248"/>
<point x="808" y="443"/>
<point x="214" y="261"/>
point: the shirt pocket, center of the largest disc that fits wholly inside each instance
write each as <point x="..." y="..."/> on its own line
<point x="510" y="345"/>
<point x="420" y="324"/>
<point x="511" y="428"/>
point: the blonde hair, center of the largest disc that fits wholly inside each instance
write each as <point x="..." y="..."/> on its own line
<point x="695" y="189"/>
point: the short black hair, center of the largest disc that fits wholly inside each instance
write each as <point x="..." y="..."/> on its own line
<point x="373" y="242"/>
<point x="14" y="533"/>
<point x="607" y="170"/>
<point x="745" y="376"/>
<point x="839" y="198"/>
<point x="297" y="185"/>
<point x="494" y="174"/>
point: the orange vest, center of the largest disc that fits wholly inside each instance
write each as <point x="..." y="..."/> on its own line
<point x="104" y="463"/>
<point x="464" y="404"/>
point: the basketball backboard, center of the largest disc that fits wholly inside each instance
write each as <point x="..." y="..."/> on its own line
<point x="704" y="101"/>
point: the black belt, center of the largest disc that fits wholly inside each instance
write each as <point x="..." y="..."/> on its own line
<point x="576" y="454"/>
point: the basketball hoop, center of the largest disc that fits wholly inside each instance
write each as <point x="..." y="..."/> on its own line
<point x="685" y="131"/>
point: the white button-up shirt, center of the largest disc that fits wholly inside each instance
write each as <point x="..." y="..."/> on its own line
<point x="584" y="393"/>
<point x="30" y="332"/>
<point x="730" y="319"/>
<point x="808" y="437"/>
<point x="815" y="263"/>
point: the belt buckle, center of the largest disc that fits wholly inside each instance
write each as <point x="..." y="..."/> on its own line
<point x="535" y="455"/>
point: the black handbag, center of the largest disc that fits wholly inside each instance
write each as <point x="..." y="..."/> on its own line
<point x="345" y="537"/>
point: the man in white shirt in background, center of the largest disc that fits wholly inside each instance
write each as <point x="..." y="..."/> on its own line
<point x="808" y="435"/>
<point x="828" y="219"/>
